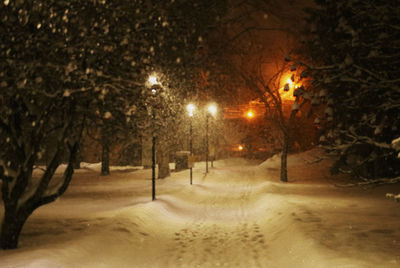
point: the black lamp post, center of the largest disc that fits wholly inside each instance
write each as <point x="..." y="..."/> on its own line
<point x="190" y="108"/>
<point x="211" y="110"/>
<point x="154" y="86"/>
<point x="153" y="158"/>
<point x="207" y="116"/>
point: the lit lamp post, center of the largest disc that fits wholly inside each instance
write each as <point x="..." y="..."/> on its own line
<point x="211" y="110"/>
<point x="190" y="108"/>
<point x="154" y="85"/>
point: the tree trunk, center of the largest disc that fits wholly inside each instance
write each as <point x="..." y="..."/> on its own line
<point x="286" y="140"/>
<point x="78" y="159"/>
<point x="105" y="159"/>
<point x="285" y="148"/>
<point x="163" y="164"/>
<point x="11" y="228"/>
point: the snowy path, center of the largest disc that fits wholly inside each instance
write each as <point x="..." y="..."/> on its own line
<point x="222" y="233"/>
<point x="239" y="215"/>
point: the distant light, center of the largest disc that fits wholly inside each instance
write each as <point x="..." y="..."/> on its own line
<point x="250" y="114"/>
<point x="190" y="108"/>
<point x="212" y="109"/>
<point x="240" y="148"/>
<point x="153" y="91"/>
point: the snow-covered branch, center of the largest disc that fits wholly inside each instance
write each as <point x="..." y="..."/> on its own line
<point x="374" y="75"/>
<point x="369" y="140"/>
<point x="371" y="182"/>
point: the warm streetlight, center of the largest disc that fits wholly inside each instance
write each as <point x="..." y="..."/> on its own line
<point x="250" y="114"/>
<point x="212" y="110"/>
<point x="288" y="87"/>
<point x="240" y="149"/>
<point x="190" y="108"/>
<point x="153" y="80"/>
<point x="289" y="82"/>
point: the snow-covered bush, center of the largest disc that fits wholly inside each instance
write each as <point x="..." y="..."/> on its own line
<point x="396" y="146"/>
<point x="396" y="197"/>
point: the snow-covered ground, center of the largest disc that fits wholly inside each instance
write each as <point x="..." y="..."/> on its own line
<point x="238" y="215"/>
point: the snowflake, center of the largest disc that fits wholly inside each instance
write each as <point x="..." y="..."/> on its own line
<point x="107" y="115"/>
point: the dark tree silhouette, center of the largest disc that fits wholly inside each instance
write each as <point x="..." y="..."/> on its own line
<point x="353" y="48"/>
<point x="65" y="62"/>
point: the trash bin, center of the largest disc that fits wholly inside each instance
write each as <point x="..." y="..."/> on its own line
<point x="181" y="160"/>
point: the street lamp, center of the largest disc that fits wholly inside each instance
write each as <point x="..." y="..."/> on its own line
<point x="154" y="85"/>
<point x="250" y="114"/>
<point x="211" y="110"/>
<point x="153" y="80"/>
<point x="190" y="108"/>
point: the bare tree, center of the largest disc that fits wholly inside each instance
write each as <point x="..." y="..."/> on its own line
<point x="48" y="127"/>
<point x="284" y="94"/>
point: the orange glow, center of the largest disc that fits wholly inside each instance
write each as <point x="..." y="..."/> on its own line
<point x="256" y="107"/>
<point x="240" y="148"/>
<point x="287" y="89"/>
<point x="250" y="114"/>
